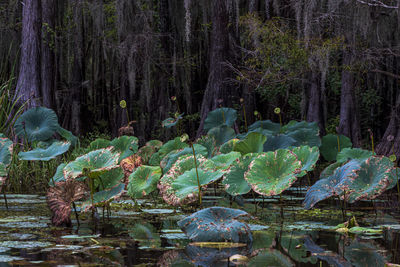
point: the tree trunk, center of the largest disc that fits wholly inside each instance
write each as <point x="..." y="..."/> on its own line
<point x="349" y="123"/>
<point x="48" y="57"/>
<point x="217" y="87"/>
<point x="28" y="85"/>
<point x="314" y="111"/>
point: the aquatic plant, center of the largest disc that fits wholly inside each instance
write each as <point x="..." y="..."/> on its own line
<point x="222" y="134"/>
<point x="170" y="122"/>
<point x="103" y="197"/>
<point x="233" y="180"/>
<point x="143" y="181"/>
<point x="332" y="144"/>
<point x="217" y="224"/>
<point x="252" y="143"/>
<point x="220" y="117"/>
<point x="57" y="148"/>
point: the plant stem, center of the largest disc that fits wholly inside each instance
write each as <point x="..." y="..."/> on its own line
<point x="338" y="142"/>
<point x="197" y="173"/>
<point x="245" y="118"/>
<point x="5" y="197"/>
<point x="127" y="115"/>
<point x="76" y="213"/>
<point x="280" y="119"/>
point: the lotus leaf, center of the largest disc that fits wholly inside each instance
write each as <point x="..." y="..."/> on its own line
<point x="228" y="146"/>
<point x="59" y="175"/>
<point x="125" y="145"/>
<point x="56" y="149"/>
<point x="262" y="131"/>
<point x="278" y="142"/>
<point x="372" y="180"/>
<point x="6" y="149"/>
<point x="273" y="172"/>
<point x="220" y="117"/>
<point x="332" y="185"/>
<point x="3" y="175"/>
<point x="394" y="177"/>
<point x="328" y="171"/>
<point x="173" y="156"/>
<point x="300" y="125"/>
<point x="222" y="134"/>
<point x="95" y="163"/>
<point x="234" y="181"/>
<point x="99" y="143"/>
<point x="253" y="143"/>
<point x="68" y="135"/>
<point x="353" y="153"/>
<point x="329" y="145"/>
<point x="110" y="178"/>
<point x="37" y="124"/>
<point x="171" y="145"/>
<point x="216" y="224"/>
<point x="2" y="135"/>
<point x="273" y="127"/>
<point x="103" y="197"/>
<point x="308" y="157"/>
<point x="208" y="142"/>
<point x="170" y="122"/>
<point x="306" y="137"/>
<point x="143" y="181"/>
<point x="271" y="257"/>
<point x="145" y="153"/>
<point x="155" y="143"/>
<point x="224" y="161"/>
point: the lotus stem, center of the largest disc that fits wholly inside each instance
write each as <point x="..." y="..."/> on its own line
<point x="197" y="173"/>
<point x="127" y="115"/>
<point x="338" y="142"/>
<point x="223" y="116"/>
<point x="280" y="119"/>
<point x="76" y="213"/>
<point x="372" y="143"/>
<point x="245" y="118"/>
<point x="398" y="185"/>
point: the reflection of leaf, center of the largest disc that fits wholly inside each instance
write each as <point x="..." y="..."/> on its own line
<point x="292" y="243"/>
<point x="146" y="234"/>
<point x="362" y="254"/>
<point x="216" y="224"/>
<point x="271" y="257"/>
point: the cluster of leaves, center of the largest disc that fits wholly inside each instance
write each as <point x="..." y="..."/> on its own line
<point x="6" y="149"/>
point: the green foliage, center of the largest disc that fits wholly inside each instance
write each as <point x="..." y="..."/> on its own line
<point x="220" y="117"/>
<point x="9" y="112"/>
<point x="143" y="181"/>
<point x="333" y="144"/>
<point x="222" y="134"/>
<point x="308" y="156"/>
<point x="253" y="143"/>
<point x="103" y="197"/>
<point x="55" y="149"/>
<point x="234" y="181"/>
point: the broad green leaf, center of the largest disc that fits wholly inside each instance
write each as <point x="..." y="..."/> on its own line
<point x="110" y="178"/>
<point x="222" y="134"/>
<point x="234" y="181"/>
<point x="220" y="117"/>
<point x="208" y="142"/>
<point x="143" y="181"/>
<point x="99" y="143"/>
<point x="125" y="145"/>
<point x="173" y="156"/>
<point x="37" y="124"/>
<point x="228" y="146"/>
<point x="56" y="149"/>
<point x="103" y="197"/>
<point x="67" y="135"/>
<point x="273" y="172"/>
<point x="278" y="142"/>
<point x="59" y="175"/>
<point x="171" y="145"/>
<point x="224" y="161"/>
<point x="330" y="145"/>
<point x="394" y="177"/>
<point x="308" y="157"/>
<point x="253" y="143"/>
<point x="353" y="153"/>
<point x="300" y="125"/>
<point x="306" y="137"/>
<point x="170" y="122"/>
<point x="6" y="150"/>
<point x="155" y="143"/>
<point x="273" y="127"/>
<point x="217" y="224"/>
<point x="328" y="171"/>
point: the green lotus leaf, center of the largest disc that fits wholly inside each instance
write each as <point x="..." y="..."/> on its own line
<point x="56" y="149"/>
<point x="353" y="153"/>
<point x="171" y="145"/>
<point x="293" y="126"/>
<point x="103" y="197"/>
<point x="99" y="143"/>
<point x="271" y="257"/>
<point x="94" y="163"/>
<point x="332" y="185"/>
<point x="278" y="142"/>
<point x="3" y="170"/>
<point x="143" y="181"/>
<point x="328" y="171"/>
<point x="228" y="146"/>
<point x="253" y="143"/>
<point x="262" y="131"/>
<point x="6" y="150"/>
<point x="125" y="145"/>
<point x="208" y="142"/>
<point x="273" y="172"/>
<point x="224" y="161"/>
<point x="234" y="181"/>
<point x="373" y="179"/>
<point x="306" y="137"/>
<point x="186" y="184"/>
<point x="330" y="147"/>
<point x="68" y="136"/>
<point x="37" y="124"/>
<point x="308" y="157"/>
<point x="394" y="177"/>
<point x="293" y="245"/>
<point x="173" y="156"/>
<point x="273" y="127"/>
<point x="170" y="122"/>
<point x="220" y="117"/>
<point x="146" y="152"/>
<point x="110" y="178"/>
<point x="217" y="224"/>
<point x="155" y="143"/>
<point x="59" y="175"/>
<point x="222" y="134"/>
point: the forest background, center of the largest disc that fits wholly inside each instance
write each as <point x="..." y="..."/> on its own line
<point x="335" y="62"/>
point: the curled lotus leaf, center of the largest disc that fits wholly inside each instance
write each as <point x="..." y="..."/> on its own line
<point x="332" y="185"/>
<point x="169" y="146"/>
<point x="129" y="164"/>
<point x="110" y="179"/>
<point x="6" y="150"/>
<point x="143" y="181"/>
<point x="278" y="142"/>
<point x="253" y="143"/>
<point x="37" y="124"/>
<point x="99" y="143"/>
<point x="93" y="163"/>
<point x="59" y="175"/>
<point x="69" y="136"/>
<point x="222" y="134"/>
<point x="224" y="161"/>
<point x="273" y="172"/>
<point x="262" y="131"/>
<point x="49" y="153"/>
<point x="125" y="145"/>
<point x="103" y="197"/>
<point x="228" y="146"/>
<point x="217" y="224"/>
<point x="353" y="153"/>
<point x="234" y="181"/>
<point x="173" y="156"/>
<point x="170" y="122"/>
<point x="145" y="153"/>
<point x="273" y="127"/>
<point x="306" y="137"/>
<point x="394" y="177"/>
<point x="308" y="156"/>
<point x="332" y="144"/>
<point x="220" y="117"/>
<point x="328" y="171"/>
<point x="209" y="143"/>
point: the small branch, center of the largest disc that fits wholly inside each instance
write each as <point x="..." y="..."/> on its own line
<point x="376" y="3"/>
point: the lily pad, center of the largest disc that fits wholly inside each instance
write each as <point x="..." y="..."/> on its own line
<point x="271" y="173"/>
<point x="220" y="117"/>
<point x="143" y="181"/>
<point x="253" y="143"/>
<point x="54" y="150"/>
<point x="332" y="144"/>
<point x="217" y="224"/>
<point x="25" y="244"/>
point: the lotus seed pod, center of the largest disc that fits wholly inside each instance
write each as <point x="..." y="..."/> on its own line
<point x="173" y="98"/>
<point x="393" y="157"/>
<point x="122" y="104"/>
<point x="277" y="110"/>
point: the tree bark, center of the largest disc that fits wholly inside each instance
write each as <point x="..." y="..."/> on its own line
<point x="47" y="55"/>
<point x="28" y="84"/>
<point x="314" y="111"/>
<point x="217" y="87"/>
<point x="349" y="124"/>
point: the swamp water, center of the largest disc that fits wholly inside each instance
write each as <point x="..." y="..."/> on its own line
<point x="284" y="235"/>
